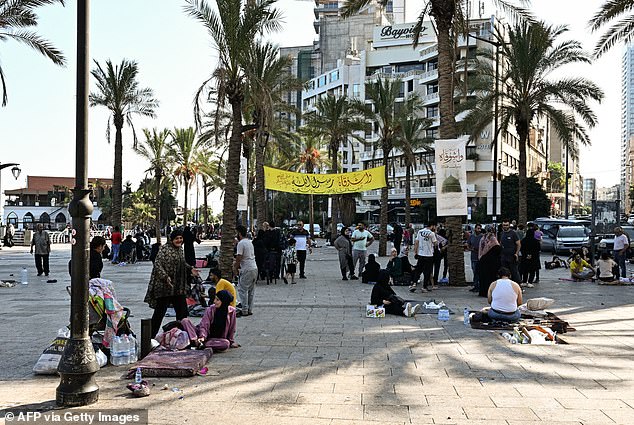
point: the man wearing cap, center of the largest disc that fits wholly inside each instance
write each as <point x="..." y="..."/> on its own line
<point x="361" y="239"/>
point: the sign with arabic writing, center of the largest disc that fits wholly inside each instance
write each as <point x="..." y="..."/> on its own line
<point x="451" y="177"/>
<point x="324" y="184"/>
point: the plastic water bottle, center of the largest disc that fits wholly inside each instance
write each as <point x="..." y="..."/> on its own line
<point x="137" y="376"/>
<point x="24" y="276"/>
<point x="125" y="350"/>
<point x="134" y="350"/>
<point x="466" y="316"/>
<point x="115" y="351"/>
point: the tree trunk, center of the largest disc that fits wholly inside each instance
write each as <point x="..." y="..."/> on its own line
<point x="383" y="216"/>
<point x="232" y="180"/>
<point x="522" y="180"/>
<point x="455" y="251"/>
<point x="260" y="192"/>
<point x="408" y="194"/>
<point x="334" y="150"/>
<point x="186" y="196"/>
<point x="311" y="214"/>
<point x="117" y="184"/>
<point x="157" y="176"/>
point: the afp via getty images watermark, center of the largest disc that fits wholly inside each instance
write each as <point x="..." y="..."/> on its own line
<point x="76" y="417"/>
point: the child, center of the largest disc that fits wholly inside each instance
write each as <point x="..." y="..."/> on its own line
<point x="605" y="268"/>
<point x="290" y="261"/>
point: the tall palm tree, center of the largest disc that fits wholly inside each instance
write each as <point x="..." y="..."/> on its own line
<point x="618" y="14"/>
<point x="233" y="27"/>
<point x="154" y="149"/>
<point x="118" y="90"/>
<point x="388" y="113"/>
<point x="335" y="120"/>
<point x="411" y="139"/>
<point x="183" y="152"/>
<point x="16" y="16"/>
<point x="533" y="54"/>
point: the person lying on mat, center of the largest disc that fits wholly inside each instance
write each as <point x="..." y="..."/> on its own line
<point x="580" y="269"/>
<point x="383" y="294"/>
<point x="504" y="296"/>
<point x="217" y="327"/>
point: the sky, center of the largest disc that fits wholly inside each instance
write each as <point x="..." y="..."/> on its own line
<point x="175" y="55"/>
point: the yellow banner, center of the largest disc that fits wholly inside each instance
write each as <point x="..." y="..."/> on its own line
<point x="324" y="184"/>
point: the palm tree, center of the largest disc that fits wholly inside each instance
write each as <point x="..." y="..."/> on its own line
<point x="212" y="174"/>
<point x="335" y="120"/>
<point x="410" y="140"/>
<point x="389" y="113"/>
<point x="118" y="90"/>
<point x="623" y="30"/>
<point x="154" y="149"/>
<point x="183" y="152"/>
<point x="532" y="55"/>
<point x="16" y="17"/>
<point x="233" y="28"/>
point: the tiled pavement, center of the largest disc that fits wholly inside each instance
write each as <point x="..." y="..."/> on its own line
<point x="310" y="356"/>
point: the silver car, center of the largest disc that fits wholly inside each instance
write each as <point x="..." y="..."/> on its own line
<point x="571" y="238"/>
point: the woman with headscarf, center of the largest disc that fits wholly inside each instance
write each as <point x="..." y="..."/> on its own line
<point x="217" y="328"/>
<point x="371" y="271"/>
<point x="344" y="248"/>
<point x="383" y="294"/>
<point x="530" y="257"/>
<point x="489" y="261"/>
<point x="168" y="281"/>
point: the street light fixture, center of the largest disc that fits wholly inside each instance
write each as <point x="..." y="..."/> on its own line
<point x="16" y="173"/>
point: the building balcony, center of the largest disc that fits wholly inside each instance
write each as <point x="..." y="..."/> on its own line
<point x="416" y="192"/>
<point x="392" y="75"/>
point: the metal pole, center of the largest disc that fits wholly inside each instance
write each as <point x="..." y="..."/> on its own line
<point x="593" y="227"/>
<point x="566" y="198"/>
<point x="495" y="131"/>
<point x="78" y="365"/>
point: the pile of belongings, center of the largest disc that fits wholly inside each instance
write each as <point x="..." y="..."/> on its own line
<point x="7" y="283"/>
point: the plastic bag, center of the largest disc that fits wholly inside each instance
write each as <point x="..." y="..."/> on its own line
<point x="49" y="359"/>
<point x="102" y="359"/>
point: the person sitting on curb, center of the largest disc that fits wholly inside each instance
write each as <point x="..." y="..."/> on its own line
<point x="580" y="269"/>
<point x="505" y="296"/>
<point x="383" y="294"/>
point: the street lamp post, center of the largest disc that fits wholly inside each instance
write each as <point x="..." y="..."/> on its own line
<point x="78" y="365"/>
<point x="16" y="173"/>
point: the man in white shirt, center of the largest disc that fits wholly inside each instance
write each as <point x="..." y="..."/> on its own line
<point x="245" y="265"/>
<point x="621" y="244"/>
<point x="361" y="239"/>
<point x="424" y="246"/>
<point x="302" y="244"/>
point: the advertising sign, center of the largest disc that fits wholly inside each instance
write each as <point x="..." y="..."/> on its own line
<point x="451" y="177"/>
<point x="401" y="34"/>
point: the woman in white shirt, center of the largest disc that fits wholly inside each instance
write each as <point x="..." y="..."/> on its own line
<point x="504" y="296"/>
<point x="605" y="268"/>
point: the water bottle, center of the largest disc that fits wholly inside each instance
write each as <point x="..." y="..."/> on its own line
<point x="134" y="350"/>
<point x="125" y="351"/>
<point x="24" y="276"/>
<point x="466" y="316"/>
<point x="137" y="376"/>
<point x="115" y="351"/>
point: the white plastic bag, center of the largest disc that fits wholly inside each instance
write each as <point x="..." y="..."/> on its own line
<point x="49" y="359"/>
<point x="102" y="359"/>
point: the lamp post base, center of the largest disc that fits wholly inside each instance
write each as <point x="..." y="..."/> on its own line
<point x="77" y="369"/>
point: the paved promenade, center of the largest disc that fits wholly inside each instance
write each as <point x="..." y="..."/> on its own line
<point x="309" y="356"/>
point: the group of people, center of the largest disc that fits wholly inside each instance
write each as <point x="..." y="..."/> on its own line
<point x="278" y="255"/>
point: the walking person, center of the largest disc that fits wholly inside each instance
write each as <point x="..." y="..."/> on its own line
<point x="424" y="247"/>
<point x="473" y="243"/>
<point x="8" y="237"/>
<point x="245" y="267"/>
<point x="344" y="248"/>
<point x="511" y="246"/>
<point x="116" y="239"/>
<point x="42" y="243"/>
<point x="168" y="281"/>
<point x="398" y="236"/>
<point x="621" y="244"/>
<point x="361" y="239"/>
<point x="302" y="243"/>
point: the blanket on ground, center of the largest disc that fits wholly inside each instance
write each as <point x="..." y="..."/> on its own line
<point x="173" y="364"/>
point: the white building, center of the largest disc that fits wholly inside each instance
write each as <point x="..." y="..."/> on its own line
<point x="627" y="113"/>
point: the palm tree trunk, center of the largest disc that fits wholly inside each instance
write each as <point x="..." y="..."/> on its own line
<point x="522" y="180"/>
<point x="232" y="180"/>
<point x="408" y="194"/>
<point x="117" y="183"/>
<point x="260" y="192"/>
<point x="334" y="150"/>
<point x="186" y="196"/>
<point x="157" y="224"/>
<point x="311" y="214"/>
<point x="383" y="216"/>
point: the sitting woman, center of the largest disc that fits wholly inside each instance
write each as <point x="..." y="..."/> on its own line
<point x="504" y="296"/>
<point x="580" y="269"/>
<point x="383" y="294"/>
<point x="217" y="327"/>
<point x="605" y="268"/>
<point x="395" y="266"/>
<point x="371" y="271"/>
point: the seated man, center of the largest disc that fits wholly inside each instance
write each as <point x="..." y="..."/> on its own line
<point x="127" y="252"/>
<point x="371" y="271"/>
<point x="504" y="296"/>
<point x="215" y="277"/>
<point x="580" y="269"/>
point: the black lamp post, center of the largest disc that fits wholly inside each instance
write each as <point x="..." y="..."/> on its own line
<point x="16" y="173"/>
<point x="78" y="365"/>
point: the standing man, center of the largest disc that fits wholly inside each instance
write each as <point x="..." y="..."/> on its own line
<point x="511" y="245"/>
<point x="361" y="239"/>
<point x="116" y="238"/>
<point x="246" y="268"/>
<point x="303" y="242"/>
<point x="42" y="243"/>
<point x="424" y="246"/>
<point x="621" y="244"/>
<point x="398" y="237"/>
<point x="473" y="243"/>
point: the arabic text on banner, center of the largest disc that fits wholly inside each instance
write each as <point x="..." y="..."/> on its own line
<point x="451" y="177"/>
<point x="324" y="184"/>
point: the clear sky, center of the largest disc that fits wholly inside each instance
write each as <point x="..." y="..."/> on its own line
<point x="175" y="55"/>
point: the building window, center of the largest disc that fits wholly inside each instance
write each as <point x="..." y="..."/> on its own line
<point x="401" y="92"/>
<point x="410" y="86"/>
<point x="432" y="65"/>
<point x="322" y="81"/>
<point x="432" y="88"/>
<point x="356" y="90"/>
<point x="432" y="111"/>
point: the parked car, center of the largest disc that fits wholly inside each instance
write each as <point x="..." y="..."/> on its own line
<point x="571" y="238"/>
<point x="606" y="244"/>
<point x="375" y="229"/>
<point x="316" y="230"/>
<point x="550" y="227"/>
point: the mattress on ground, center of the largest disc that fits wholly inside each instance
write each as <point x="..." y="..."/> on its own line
<point x="167" y="363"/>
<point x="551" y="321"/>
